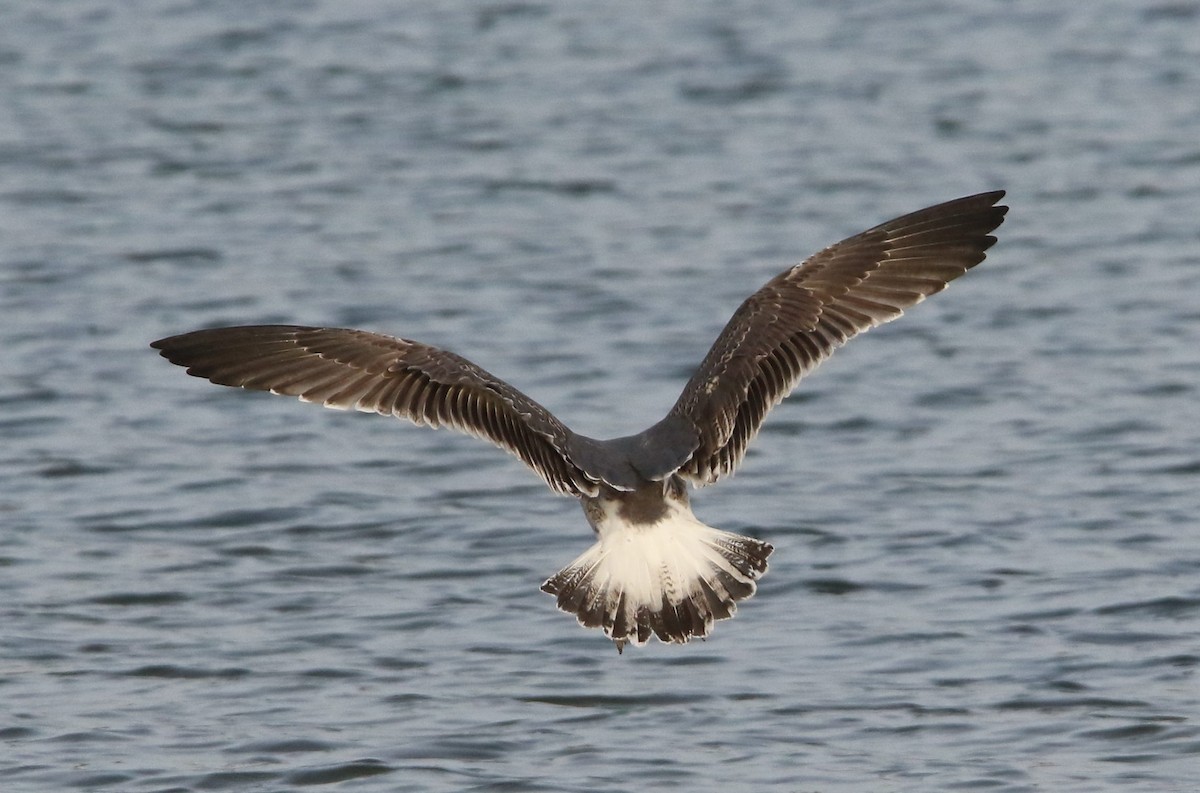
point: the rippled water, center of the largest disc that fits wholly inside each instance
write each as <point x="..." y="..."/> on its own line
<point x="987" y="572"/>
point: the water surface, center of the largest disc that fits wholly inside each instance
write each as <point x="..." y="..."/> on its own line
<point x="987" y="572"/>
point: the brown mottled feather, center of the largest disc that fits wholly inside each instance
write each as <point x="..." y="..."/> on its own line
<point x="370" y="372"/>
<point x="777" y="335"/>
<point x="802" y="315"/>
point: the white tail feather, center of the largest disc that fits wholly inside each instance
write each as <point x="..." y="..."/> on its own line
<point x="672" y="579"/>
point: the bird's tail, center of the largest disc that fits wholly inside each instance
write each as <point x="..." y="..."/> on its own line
<point x="672" y="579"/>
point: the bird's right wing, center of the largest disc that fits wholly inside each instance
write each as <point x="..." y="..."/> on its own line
<point x="802" y="315"/>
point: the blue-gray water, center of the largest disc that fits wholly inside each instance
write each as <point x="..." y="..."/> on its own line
<point x="987" y="573"/>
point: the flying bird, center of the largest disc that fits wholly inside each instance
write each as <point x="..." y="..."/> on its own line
<point x="655" y="569"/>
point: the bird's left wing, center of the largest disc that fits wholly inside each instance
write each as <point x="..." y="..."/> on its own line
<point x="370" y="372"/>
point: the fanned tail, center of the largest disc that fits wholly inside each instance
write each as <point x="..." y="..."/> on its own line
<point x="672" y="579"/>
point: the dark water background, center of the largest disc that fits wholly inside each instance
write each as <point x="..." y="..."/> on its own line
<point x="987" y="573"/>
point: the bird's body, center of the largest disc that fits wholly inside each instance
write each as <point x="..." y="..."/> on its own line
<point x="655" y="570"/>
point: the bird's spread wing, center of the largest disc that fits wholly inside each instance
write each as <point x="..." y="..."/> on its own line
<point x="354" y="369"/>
<point x="802" y="315"/>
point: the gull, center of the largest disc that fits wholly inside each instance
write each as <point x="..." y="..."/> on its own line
<point x="655" y="570"/>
